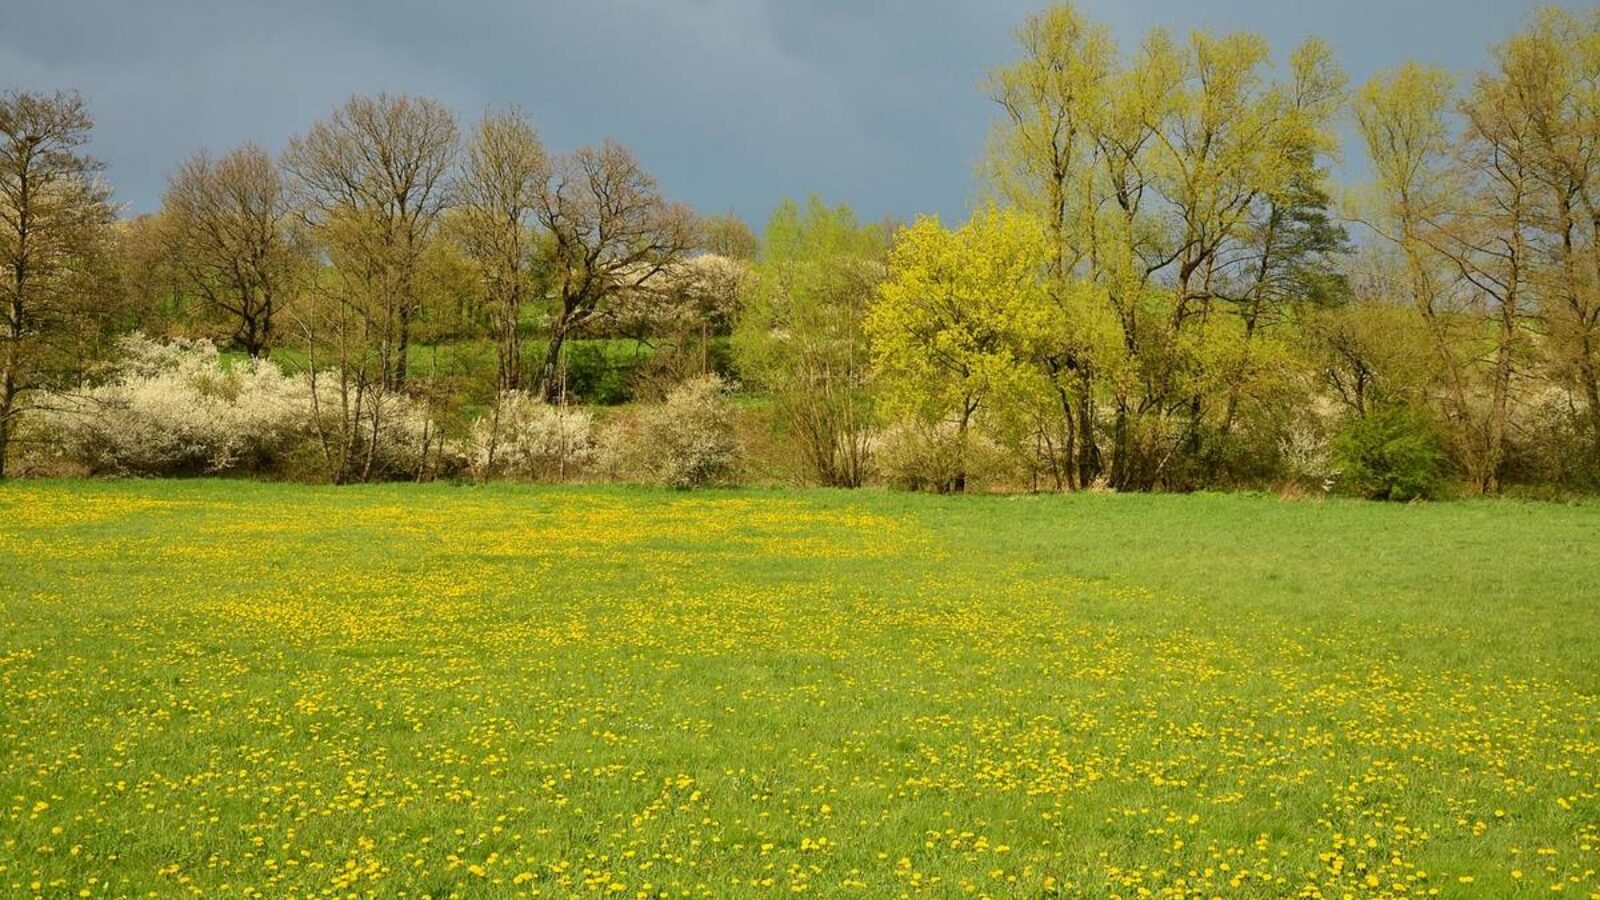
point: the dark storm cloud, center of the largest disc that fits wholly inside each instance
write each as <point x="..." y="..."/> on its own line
<point x="734" y="104"/>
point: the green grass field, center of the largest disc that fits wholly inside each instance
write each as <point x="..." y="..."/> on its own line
<point x="232" y="689"/>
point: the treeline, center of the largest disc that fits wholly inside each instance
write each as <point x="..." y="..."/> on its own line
<point x="1160" y="290"/>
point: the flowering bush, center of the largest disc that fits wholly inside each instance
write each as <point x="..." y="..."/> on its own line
<point x="687" y="441"/>
<point x="524" y="437"/>
<point x="176" y="408"/>
<point x="936" y="457"/>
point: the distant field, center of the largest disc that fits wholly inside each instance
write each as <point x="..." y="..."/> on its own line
<point x="241" y="689"/>
<point x="455" y="357"/>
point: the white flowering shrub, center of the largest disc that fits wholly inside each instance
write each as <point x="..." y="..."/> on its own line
<point x="1552" y="441"/>
<point x="178" y="408"/>
<point x="407" y="442"/>
<point x="687" y="441"/>
<point x="175" y="408"/>
<point x="936" y="457"/>
<point x="525" y="437"/>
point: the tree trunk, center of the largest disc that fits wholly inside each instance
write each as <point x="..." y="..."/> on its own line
<point x="1089" y="462"/>
<point x="550" y="375"/>
<point x="1121" y="448"/>
<point x="1066" y="459"/>
<point x="1500" y="396"/>
<point x="1591" y="390"/>
<point x="397" y="374"/>
<point x="10" y="368"/>
<point x="250" y="337"/>
<point x="958" y="485"/>
<point x="264" y="344"/>
<point x="510" y="349"/>
<point x="1499" y="399"/>
<point x="8" y="398"/>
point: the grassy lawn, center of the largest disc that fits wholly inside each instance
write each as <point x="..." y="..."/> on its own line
<point x="238" y="688"/>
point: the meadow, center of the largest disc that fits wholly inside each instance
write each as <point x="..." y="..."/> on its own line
<point x="220" y="688"/>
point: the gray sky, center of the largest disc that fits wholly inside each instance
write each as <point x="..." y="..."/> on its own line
<point x="732" y="104"/>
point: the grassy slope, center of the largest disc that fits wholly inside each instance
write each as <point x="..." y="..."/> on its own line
<point x="503" y="690"/>
<point x="475" y="356"/>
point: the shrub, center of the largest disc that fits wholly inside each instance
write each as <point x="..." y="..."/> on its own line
<point x="685" y="442"/>
<point x="1392" y="453"/>
<point x="175" y="408"/>
<point x="1553" y="443"/>
<point x="524" y="437"/>
<point x="178" y="408"/>
<point x="920" y="456"/>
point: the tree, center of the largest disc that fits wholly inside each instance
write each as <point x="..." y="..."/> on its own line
<point x="359" y="416"/>
<point x="1552" y="73"/>
<point x="1183" y="186"/>
<point x="1459" y="209"/>
<point x="958" y="324"/>
<point x="1487" y="240"/>
<point x="53" y="215"/>
<point x="150" y="283"/>
<point x="230" y="222"/>
<point x="1235" y="161"/>
<point x="374" y="175"/>
<point x="1372" y="350"/>
<point x="504" y="173"/>
<point x="800" y="333"/>
<point x="610" y="231"/>
<point x="1289" y="252"/>
<point x="1041" y="160"/>
<point x="728" y="236"/>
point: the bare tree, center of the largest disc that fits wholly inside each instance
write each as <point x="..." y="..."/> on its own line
<point x="382" y="164"/>
<point x="503" y="174"/>
<point x="348" y="396"/>
<point x="53" y="212"/>
<point x="728" y="236"/>
<point x="1551" y="71"/>
<point x="610" y="232"/>
<point x="230" y="221"/>
<point x="1486" y="239"/>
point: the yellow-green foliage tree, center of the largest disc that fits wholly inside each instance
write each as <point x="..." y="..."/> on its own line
<point x="504" y="169"/>
<point x="1185" y="184"/>
<point x="960" y="324"/>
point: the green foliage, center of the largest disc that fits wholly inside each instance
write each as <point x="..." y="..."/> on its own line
<point x="1392" y="453"/>
<point x="800" y="333"/>
<point x="960" y="323"/>
<point x="1186" y="184"/>
<point x="601" y="371"/>
<point x="1168" y="301"/>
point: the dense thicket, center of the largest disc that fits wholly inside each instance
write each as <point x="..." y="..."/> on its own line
<point x="1161" y="288"/>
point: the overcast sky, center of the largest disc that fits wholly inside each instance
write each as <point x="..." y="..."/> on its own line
<point x="732" y="104"/>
